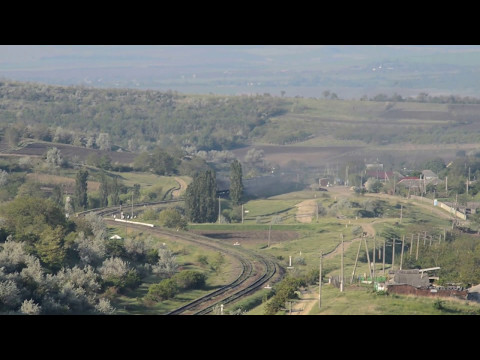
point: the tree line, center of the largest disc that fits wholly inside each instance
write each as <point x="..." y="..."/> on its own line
<point x="133" y="119"/>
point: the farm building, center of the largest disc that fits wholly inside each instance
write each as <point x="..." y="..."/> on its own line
<point x="323" y="181"/>
<point x="411" y="277"/>
<point x="416" y="282"/>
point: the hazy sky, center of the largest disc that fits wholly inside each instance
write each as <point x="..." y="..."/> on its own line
<point x="352" y="69"/>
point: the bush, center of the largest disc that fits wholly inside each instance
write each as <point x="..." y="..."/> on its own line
<point x="132" y="279"/>
<point x="439" y="305"/>
<point x="283" y="291"/>
<point x="190" y="279"/>
<point x="171" y="218"/>
<point x="202" y="259"/>
<point x="150" y="214"/>
<point x="164" y="290"/>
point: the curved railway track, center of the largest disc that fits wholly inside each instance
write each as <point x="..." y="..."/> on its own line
<point x="256" y="270"/>
<point x="116" y="209"/>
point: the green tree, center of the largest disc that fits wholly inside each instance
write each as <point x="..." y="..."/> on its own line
<point x="217" y="262"/>
<point x="190" y="279"/>
<point x="162" y="163"/>
<point x="115" y="192"/>
<point x="57" y="195"/>
<point x="164" y="290"/>
<point x="50" y="248"/>
<point x="236" y="183"/>
<point x="200" y="198"/>
<point x="142" y="162"/>
<point x="136" y="191"/>
<point x="28" y="217"/>
<point x="12" y="136"/>
<point x="436" y="165"/>
<point x="80" y="196"/>
<point x="103" y="190"/>
<point x="171" y="218"/>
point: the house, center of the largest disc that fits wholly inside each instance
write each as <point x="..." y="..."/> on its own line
<point x="429" y="175"/>
<point x="411" y="182"/>
<point x="380" y="174"/>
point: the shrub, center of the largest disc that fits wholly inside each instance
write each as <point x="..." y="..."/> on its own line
<point x="150" y="214"/>
<point x="104" y="307"/>
<point x="190" y="279"/>
<point x="171" y="218"/>
<point x="30" y="308"/>
<point x="164" y="290"/>
<point x="202" y="259"/>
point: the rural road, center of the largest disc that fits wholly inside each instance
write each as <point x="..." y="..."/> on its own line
<point x="183" y="186"/>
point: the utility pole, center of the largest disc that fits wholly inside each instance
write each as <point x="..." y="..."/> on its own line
<point x="401" y="256"/>
<point x="346" y="176"/>
<point x="242" y="213"/>
<point x="446" y="187"/>
<point x="341" y="280"/>
<point x="269" y="230"/>
<point x="219" y="209"/>
<point x="368" y="258"/>
<point x="374" y="249"/>
<point x="411" y="246"/>
<point x="468" y="180"/>
<point x="401" y="213"/>
<point x="320" y="282"/>
<point x="393" y="253"/>
<point x="356" y="260"/>
<point x="132" y="206"/>
<point x="383" y="260"/>
<point x="418" y="244"/>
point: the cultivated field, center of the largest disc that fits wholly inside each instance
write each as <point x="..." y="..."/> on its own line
<point x="71" y="152"/>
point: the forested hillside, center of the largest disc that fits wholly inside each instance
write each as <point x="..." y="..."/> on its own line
<point x="133" y="118"/>
<point x="138" y="120"/>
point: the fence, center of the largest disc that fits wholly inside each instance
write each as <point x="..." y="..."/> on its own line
<point x="335" y="280"/>
<point x="442" y="205"/>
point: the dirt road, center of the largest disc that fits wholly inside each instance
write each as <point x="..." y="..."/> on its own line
<point x="183" y="186"/>
<point x="306" y="211"/>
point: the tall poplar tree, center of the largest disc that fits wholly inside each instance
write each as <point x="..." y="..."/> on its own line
<point x="81" y="199"/>
<point x="200" y="198"/>
<point x="236" y="183"/>
<point x="115" y="192"/>
<point x="103" y="190"/>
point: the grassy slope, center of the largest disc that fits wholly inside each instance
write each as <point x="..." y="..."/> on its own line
<point x="324" y="236"/>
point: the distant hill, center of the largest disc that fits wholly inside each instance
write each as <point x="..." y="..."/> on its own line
<point x="298" y="70"/>
<point x="310" y="130"/>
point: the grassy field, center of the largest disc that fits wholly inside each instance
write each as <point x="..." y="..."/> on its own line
<point x="305" y="241"/>
<point x="361" y="300"/>
<point x="187" y="256"/>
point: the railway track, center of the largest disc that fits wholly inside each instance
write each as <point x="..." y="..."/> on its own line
<point x="256" y="270"/>
<point x="109" y="211"/>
